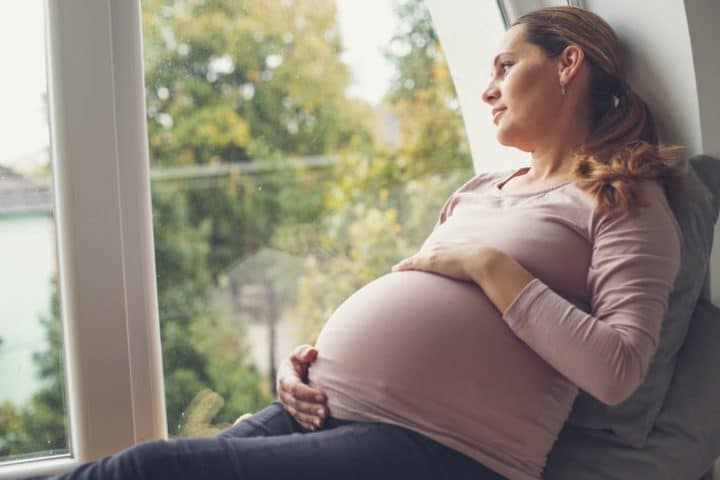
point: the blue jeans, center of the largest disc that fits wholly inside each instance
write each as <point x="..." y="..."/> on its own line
<point x="272" y="445"/>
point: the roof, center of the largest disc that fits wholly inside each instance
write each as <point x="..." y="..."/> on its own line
<point x="20" y="195"/>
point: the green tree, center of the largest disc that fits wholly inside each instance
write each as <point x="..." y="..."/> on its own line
<point x="40" y="427"/>
<point x="383" y="212"/>
<point x="234" y="82"/>
<point x="414" y="51"/>
<point x="247" y="81"/>
<point x="183" y="284"/>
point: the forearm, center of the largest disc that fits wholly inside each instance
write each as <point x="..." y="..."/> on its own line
<point x="501" y="277"/>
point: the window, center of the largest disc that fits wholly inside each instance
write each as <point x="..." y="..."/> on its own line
<point x="298" y="150"/>
<point x="33" y="411"/>
<point x="510" y="10"/>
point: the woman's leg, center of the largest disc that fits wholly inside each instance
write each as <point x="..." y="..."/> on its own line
<point x="353" y="450"/>
<point x="349" y="450"/>
<point x="271" y="420"/>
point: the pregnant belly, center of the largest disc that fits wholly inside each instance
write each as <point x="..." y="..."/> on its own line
<point x="420" y="341"/>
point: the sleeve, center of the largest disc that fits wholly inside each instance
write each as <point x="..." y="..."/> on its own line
<point x="607" y="352"/>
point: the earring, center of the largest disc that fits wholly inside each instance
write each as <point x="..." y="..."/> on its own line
<point x="562" y="87"/>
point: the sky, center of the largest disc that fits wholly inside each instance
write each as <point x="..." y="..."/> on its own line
<point x="366" y="26"/>
<point x="23" y="121"/>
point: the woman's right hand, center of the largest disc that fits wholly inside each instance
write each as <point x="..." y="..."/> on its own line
<point x="307" y="405"/>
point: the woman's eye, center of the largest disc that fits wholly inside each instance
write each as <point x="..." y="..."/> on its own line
<point x="505" y="66"/>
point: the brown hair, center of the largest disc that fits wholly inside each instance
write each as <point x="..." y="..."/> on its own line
<point x="622" y="148"/>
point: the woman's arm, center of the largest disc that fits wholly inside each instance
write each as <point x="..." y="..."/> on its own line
<point x="501" y="277"/>
<point x="606" y="352"/>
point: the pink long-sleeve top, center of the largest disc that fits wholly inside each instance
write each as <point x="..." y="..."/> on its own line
<point x="434" y="355"/>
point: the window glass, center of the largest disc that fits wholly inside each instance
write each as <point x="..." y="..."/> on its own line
<point x="298" y="149"/>
<point x="32" y="397"/>
<point x="511" y="10"/>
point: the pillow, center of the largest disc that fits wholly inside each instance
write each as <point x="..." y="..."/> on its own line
<point x="685" y="438"/>
<point x="696" y="210"/>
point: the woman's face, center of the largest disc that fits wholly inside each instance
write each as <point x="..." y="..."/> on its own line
<point x="524" y="92"/>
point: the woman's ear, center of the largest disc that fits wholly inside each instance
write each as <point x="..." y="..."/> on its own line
<point x="569" y="62"/>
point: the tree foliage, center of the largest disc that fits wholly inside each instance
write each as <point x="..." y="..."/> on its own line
<point x="40" y="427"/>
<point x="254" y="82"/>
<point x="384" y="210"/>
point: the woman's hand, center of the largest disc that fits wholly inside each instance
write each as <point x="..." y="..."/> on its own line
<point x="456" y="259"/>
<point x="500" y="276"/>
<point x="307" y="405"/>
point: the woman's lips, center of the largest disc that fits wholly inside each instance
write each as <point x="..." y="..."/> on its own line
<point x="496" y="114"/>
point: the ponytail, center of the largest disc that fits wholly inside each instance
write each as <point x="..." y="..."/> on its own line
<point x="621" y="151"/>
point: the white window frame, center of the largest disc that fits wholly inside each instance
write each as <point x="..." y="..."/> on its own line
<point x="113" y="362"/>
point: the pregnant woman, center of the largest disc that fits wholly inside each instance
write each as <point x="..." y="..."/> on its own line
<point x="464" y="360"/>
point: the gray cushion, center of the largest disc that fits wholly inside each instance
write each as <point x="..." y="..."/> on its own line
<point x="685" y="438"/>
<point x="696" y="210"/>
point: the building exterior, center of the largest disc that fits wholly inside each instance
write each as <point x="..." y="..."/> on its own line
<point x="28" y="264"/>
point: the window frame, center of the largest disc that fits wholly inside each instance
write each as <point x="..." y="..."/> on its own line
<point x="112" y="356"/>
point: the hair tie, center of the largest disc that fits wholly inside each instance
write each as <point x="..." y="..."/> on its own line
<point x="624" y="92"/>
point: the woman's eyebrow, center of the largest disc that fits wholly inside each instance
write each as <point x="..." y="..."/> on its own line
<point x="497" y="57"/>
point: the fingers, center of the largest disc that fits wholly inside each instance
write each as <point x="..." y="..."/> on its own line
<point x="306" y="404"/>
<point x="310" y="419"/>
<point x="301" y="392"/>
<point x="404" y="264"/>
<point x="302" y="357"/>
<point x="304" y="354"/>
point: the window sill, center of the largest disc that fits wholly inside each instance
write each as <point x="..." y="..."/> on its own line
<point x="37" y="466"/>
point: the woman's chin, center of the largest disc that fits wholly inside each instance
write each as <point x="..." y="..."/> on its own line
<point x="507" y="139"/>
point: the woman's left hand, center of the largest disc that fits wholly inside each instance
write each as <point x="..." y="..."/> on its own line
<point x="456" y="259"/>
<point x="500" y="276"/>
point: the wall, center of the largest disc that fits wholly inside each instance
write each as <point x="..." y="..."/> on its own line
<point x="469" y="32"/>
<point x="27" y="256"/>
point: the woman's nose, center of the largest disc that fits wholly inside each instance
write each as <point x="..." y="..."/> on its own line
<point x="491" y="93"/>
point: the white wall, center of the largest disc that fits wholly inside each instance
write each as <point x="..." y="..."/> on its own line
<point x="659" y="63"/>
<point x="469" y="32"/>
<point x="27" y="256"/>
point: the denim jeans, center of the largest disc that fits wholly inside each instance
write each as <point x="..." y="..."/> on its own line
<point x="271" y="445"/>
